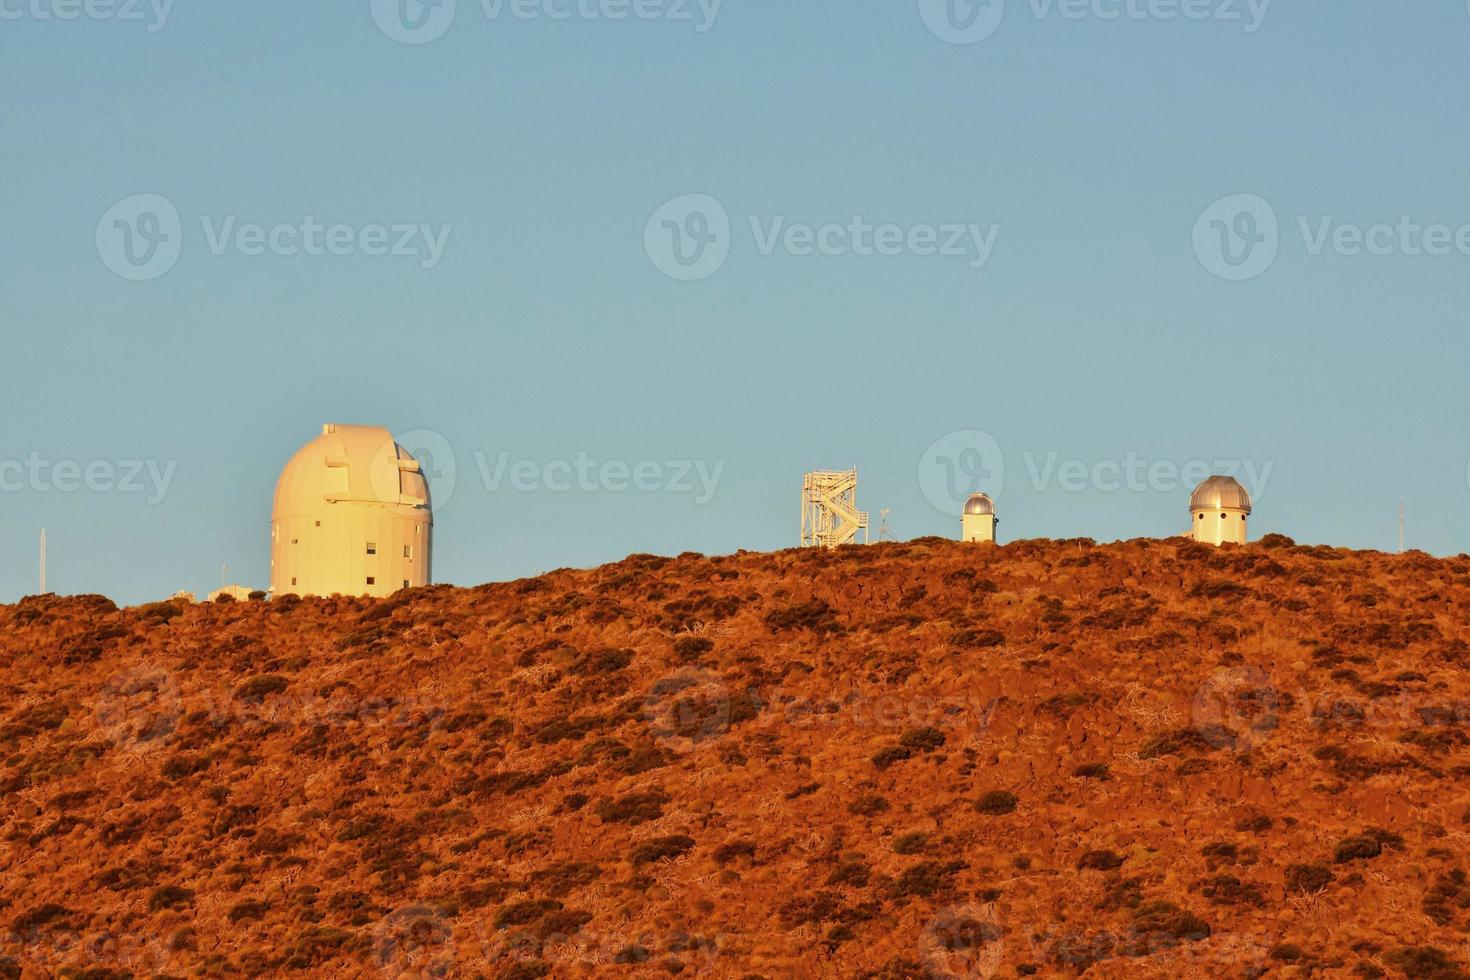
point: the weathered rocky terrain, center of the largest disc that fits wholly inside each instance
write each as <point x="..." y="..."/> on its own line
<point x="1147" y="759"/>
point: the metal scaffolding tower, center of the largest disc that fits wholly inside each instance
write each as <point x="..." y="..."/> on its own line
<point x="829" y="514"/>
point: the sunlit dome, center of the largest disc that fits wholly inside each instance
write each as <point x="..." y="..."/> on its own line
<point x="1220" y="493"/>
<point x="352" y="516"/>
<point x="979" y="505"/>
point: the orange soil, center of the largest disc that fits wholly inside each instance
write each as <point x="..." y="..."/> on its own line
<point x="1147" y="759"/>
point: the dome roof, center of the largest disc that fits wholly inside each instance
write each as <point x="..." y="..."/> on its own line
<point x="1220" y="493"/>
<point x="979" y="505"/>
<point x="357" y="465"/>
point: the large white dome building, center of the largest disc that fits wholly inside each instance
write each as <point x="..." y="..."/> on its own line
<point x="1218" y="511"/>
<point x="352" y="516"/>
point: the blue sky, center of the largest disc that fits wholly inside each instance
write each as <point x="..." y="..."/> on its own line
<point x="1094" y="332"/>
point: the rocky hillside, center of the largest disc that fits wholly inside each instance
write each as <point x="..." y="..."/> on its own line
<point x="1147" y="759"/>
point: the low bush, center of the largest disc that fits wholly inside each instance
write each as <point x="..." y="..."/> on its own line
<point x="661" y="848"/>
<point x="1307" y="878"/>
<point x="997" y="802"/>
<point x="248" y="909"/>
<point x="814" y="615"/>
<point x="169" y="897"/>
<point x="257" y="689"/>
<point x="633" y="808"/>
<point x="1099" y="861"/>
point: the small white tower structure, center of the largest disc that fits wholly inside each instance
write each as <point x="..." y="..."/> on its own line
<point x="352" y="516"/>
<point x="1218" y="511"/>
<point x="829" y="514"/>
<point x="979" y="521"/>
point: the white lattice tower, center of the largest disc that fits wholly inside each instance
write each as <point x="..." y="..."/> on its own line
<point x="829" y="514"/>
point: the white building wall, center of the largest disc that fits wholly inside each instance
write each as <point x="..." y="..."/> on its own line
<point x="1218" y="527"/>
<point x="329" y="555"/>
<point x="979" y="528"/>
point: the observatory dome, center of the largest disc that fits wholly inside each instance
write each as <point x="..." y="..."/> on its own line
<point x="979" y="505"/>
<point x="352" y="516"/>
<point x="1220" y="493"/>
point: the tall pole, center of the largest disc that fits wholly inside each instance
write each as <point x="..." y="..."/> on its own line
<point x="43" y="561"/>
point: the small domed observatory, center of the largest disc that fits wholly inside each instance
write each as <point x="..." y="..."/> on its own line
<point x="1218" y="511"/>
<point x="352" y="516"/>
<point x="979" y="521"/>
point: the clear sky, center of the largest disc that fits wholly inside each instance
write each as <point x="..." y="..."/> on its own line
<point x="1083" y="148"/>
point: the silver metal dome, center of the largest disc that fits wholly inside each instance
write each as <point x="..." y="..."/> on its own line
<point x="1220" y="493"/>
<point x="979" y="505"/>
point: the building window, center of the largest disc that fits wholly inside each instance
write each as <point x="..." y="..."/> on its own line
<point x="405" y="583"/>
<point x="408" y="551"/>
<point x="293" y="580"/>
<point x="295" y="540"/>
<point x="318" y="523"/>
<point x="372" y="548"/>
<point x="372" y="581"/>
